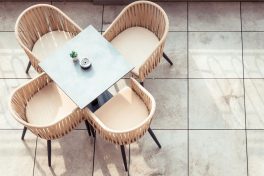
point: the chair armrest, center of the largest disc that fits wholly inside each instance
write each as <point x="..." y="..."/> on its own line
<point x="140" y="13"/>
<point x="67" y="24"/>
<point x="21" y="95"/>
<point x="151" y="63"/>
<point x="38" y="20"/>
<point x="116" y="137"/>
<point x="18" y="102"/>
<point x="129" y="135"/>
<point x="120" y="24"/>
<point x="147" y="15"/>
<point x="60" y="128"/>
<point x="145" y="96"/>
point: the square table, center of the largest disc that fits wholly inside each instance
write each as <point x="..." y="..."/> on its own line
<point x="84" y="86"/>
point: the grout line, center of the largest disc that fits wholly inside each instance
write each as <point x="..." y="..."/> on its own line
<point x="193" y="78"/>
<point x="183" y="129"/>
<point x="214" y="31"/>
<point x="176" y="1"/>
<point x="188" y="89"/>
<point x="7" y="31"/>
<point x="245" y="111"/>
<point x="169" y="129"/>
<point x="188" y="31"/>
<point x="15" y="78"/>
<point x="165" y="78"/>
<point x="7" y="129"/>
<point x="252" y="31"/>
<point x="215" y="78"/>
<point x="191" y="1"/>
<point x="35" y="156"/>
<point x="215" y="1"/>
<point x="12" y="31"/>
<point x="94" y="139"/>
<point x="201" y="129"/>
<point x="175" y="129"/>
<point x="254" y="78"/>
<point x="173" y="78"/>
<point x="128" y="173"/>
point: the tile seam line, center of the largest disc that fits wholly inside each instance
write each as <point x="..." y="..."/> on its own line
<point x="15" y="78"/>
<point x="3" y="78"/>
<point x="214" y="1"/>
<point x="188" y="89"/>
<point x="184" y="31"/>
<point x="171" y="31"/>
<point x="129" y="160"/>
<point x="94" y="139"/>
<point x="94" y="148"/>
<point x="165" y="129"/>
<point x="34" y="165"/>
<point x="155" y="129"/>
<point x="245" y="109"/>
<point x="202" y="129"/>
<point x="153" y="1"/>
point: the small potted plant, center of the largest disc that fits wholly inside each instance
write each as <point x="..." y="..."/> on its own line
<point x="74" y="56"/>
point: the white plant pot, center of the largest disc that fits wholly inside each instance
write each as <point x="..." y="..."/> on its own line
<point x="75" y="59"/>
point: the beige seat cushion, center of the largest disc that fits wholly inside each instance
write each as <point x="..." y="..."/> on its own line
<point x="49" y="105"/>
<point x="49" y="43"/>
<point x="124" y="111"/>
<point x="136" y="44"/>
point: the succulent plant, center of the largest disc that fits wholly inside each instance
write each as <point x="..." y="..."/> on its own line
<point x="73" y="54"/>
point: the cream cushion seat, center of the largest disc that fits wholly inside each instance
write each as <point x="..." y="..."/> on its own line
<point x="124" y="111"/>
<point x="136" y="45"/>
<point x="49" y="105"/>
<point x="49" y="43"/>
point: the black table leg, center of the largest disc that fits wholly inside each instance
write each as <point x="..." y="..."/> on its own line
<point x="100" y="101"/>
<point x="29" y="64"/>
<point x="95" y="102"/>
<point x="23" y="133"/>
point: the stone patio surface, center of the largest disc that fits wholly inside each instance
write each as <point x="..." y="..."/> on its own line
<point x="210" y="103"/>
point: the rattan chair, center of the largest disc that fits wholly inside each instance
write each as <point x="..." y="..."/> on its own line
<point x="41" y="29"/>
<point x="126" y="117"/>
<point x="139" y="33"/>
<point x="44" y="109"/>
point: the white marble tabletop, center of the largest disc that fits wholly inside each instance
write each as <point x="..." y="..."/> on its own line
<point x="83" y="86"/>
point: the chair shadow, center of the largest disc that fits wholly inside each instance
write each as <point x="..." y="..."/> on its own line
<point x="28" y="148"/>
<point x="108" y="154"/>
<point x="70" y="155"/>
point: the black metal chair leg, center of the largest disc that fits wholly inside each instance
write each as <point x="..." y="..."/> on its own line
<point x="49" y="152"/>
<point x="142" y="83"/>
<point x="124" y="156"/>
<point x="23" y="133"/>
<point x="154" y="137"/>
<point x="28" y="66"/>
<point x="92" y="130"/>
<point x="88" y="127"/>
<point x="167" y="58"/>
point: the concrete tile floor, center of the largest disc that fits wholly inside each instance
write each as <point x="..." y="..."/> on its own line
<point x="210" y="114"/>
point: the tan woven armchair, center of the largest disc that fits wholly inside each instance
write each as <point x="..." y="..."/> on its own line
<point x="44" y="109"/>
<point x="41" y="29"/>
<point x="139" y="33"/>
<point x="126" y="117"/>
